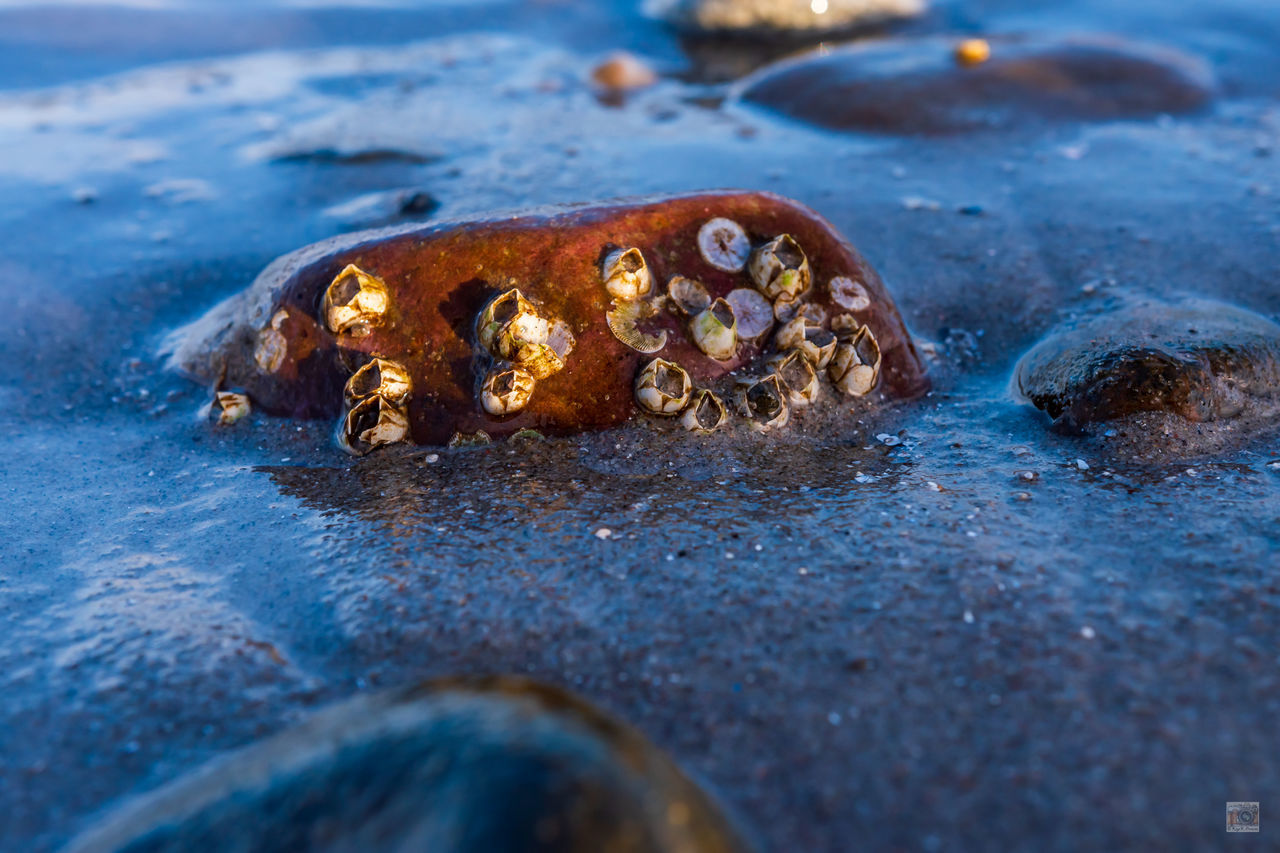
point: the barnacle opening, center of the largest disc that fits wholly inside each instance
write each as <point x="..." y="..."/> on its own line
<point x="798" y="376"/>
<point x="855" y="367"/>
<point x="763" y="402"/>
<point x="379" y="376"/>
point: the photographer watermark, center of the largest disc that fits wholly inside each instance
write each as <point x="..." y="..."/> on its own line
<point x="1243" y="817"/>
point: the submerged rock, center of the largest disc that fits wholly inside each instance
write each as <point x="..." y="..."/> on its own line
<point x="787" y="16"/>
<point x="557" y="322"/>
<point x="454" y="766"/>
<point x="1193" y="361"/>
<point x="924" y="86"/>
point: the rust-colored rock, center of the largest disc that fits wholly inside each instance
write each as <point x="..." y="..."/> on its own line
<point x="275" y="339"/>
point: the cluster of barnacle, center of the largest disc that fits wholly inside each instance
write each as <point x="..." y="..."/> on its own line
<point x="804" y="346"/>
<point x="518" y="346"/>
<point x="377" y="392"/>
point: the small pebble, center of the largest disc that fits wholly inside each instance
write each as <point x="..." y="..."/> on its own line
<point x="973" y="52"/>
<point x="624" y="72"/>
<point x="1088" y="633"/>
<point x="1082" y="465"/>
<point x="603" y="533"/>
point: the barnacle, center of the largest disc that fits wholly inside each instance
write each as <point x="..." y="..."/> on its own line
<point x="706" y="412"/>
<point x="373" y="422"/>
<point x="798" y="376"/>
<point x="688" y="295"/>
<point x="623" y="320"/>
<point x="379" y="376"/>
<point x="663" y="387"/>
<point x="232" y="406"/>
<point x="715" y="330"/>
<point x="780" y="269"/>
<point x="724" y="244"/>
<point x="507" y="389"/>
<point x="626" y="275"/>
<point x="354" y="302"/>
<point x="508" y="322"/>
<point x="754" y="313"/>
<point x="763" y="402"/>
<point x="849" y="294"/>
<point x="855" y="367"/>
<point x="272" y="346"/>
<point x="814" y="342"/>
<point x="540" y="360"/>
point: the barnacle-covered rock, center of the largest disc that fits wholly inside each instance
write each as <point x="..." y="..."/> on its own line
<point x="917" y="86"/>
<point x="459" y="299"/>
<point x="1193" y="360"/>
<point x="467" y="765"/>
<point x="761" y="17"/>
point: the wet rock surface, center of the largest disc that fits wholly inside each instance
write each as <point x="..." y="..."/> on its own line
<point x="446" y="307"/>
<point x="921" y="86"/>
<point x="1198" y="361"/>
<point x="469" y="765"/>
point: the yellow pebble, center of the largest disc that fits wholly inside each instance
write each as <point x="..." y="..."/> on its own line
<point x="973" y="52"/>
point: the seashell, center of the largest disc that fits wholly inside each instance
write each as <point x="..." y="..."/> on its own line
<point x="813" y="341"/>
<point x="855" y="367"/>
<point x="663" y="387"/>
<point x="780" y="269"/>
<point x="379" y="376"/>
<point x="622" y="322"/>
<point x="507" y="389"/>
<point x="724" y="244"/>
<point x="626" y="275"/>
<point x="371" y="423"/>
<point x="231" y="405"/>
<point x="849" y="294"/>
<point x="355" y="301"/>
<point x="690" y="296"/>
<point x="715" y="331"/>
<point x="754" y="313"/>
<point x="705" y="414"/>
<point x="763" y="402"/>
<point x="845" y="326"/>
<point x="798" y="376"/>
<point x="509" y="322"/>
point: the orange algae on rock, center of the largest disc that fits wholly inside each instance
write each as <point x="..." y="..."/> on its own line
<point x="541" y="321"/>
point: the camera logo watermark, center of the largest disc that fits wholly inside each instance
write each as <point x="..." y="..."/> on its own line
<point x="1243" y="817"/>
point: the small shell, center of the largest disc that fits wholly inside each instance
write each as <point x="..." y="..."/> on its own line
<point x="507" y="389"/>
<point x="780" y="269"/>
<point x="508" y="322"/>
<point x="663" y="387"/>
<point x="849" y="294"/>
<point x="845" y="326"/>
<point x="272" y="346"/>
<point x="479" y="438"/>
<point x="231" y="407"/>
<point x="724" y="244"/>
<point x="354" y="301"/>
<point x="855" y="367"/>
<point x="706" y="412"/>
<point x="373" y="422"/>
<point x="798" y="376"/>
<point x="763" y="402"/>
<point x="754" y="313"/>
<point x="814" y="342"/>
<point x="715" y="331"/>
<point x="379" y="376"/>
<point x="623" y="320"/>
<point x="626" y="275"/>
<point x="688" y="295"/>
<point x="560" y="339"/>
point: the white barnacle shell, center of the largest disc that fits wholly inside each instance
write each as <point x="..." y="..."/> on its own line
<point x="689" y="295"/>
<point x="626" y="275"/>
<point x="231" y="406"/>
<point x="372" y="422"/>
<point x="663" y="387"/>
<point x="706" y="412"/>
<point x="509" y="322"/>
<point x="763" y="402"/>
<point x="272" y="346"/>
<point x="354" y="301"/>
<point x="506" y="390"/>
<point x="845" y="326"/>
<point x="798" y="376"/>
<point x="855" y="367"/>
<point x="814" y="342"/>
<point x="849" y="294"/>
<point x="715" y="330"/>
<point x="560" y="339"/>
<point x="623" y="320"/>
<point x="780" y="269"/>
<point x="379" y="376"/>
<point x="724" y="244"/>
<point x="754" y="313"/>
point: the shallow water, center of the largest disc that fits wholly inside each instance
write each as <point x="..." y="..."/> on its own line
<point x="982" y="634"/>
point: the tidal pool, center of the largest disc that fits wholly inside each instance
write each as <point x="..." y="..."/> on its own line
<point x="941" y="626"/>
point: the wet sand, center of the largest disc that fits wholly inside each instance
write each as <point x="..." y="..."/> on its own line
<point x="972" y="632"/>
